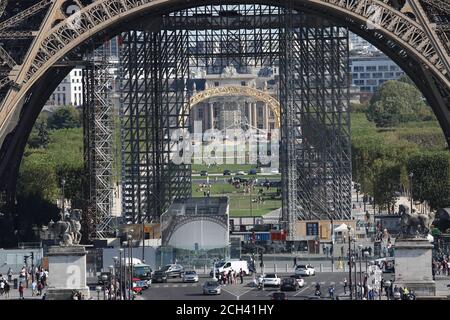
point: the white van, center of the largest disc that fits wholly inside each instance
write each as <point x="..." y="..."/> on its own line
<point x="227" y="265"/>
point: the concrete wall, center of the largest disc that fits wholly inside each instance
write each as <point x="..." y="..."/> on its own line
<point x="207" y="234"/>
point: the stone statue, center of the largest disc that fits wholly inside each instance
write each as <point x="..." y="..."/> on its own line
<point x="67" y="230"/>
<point x="415" y="224"/>
<point x="229" y="71"/>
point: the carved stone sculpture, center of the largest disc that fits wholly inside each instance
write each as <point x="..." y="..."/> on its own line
<point x="67" y="230"/>
<point x="415" y="224"/>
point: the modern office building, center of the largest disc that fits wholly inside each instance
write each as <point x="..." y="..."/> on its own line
<point x="368" y="72"/>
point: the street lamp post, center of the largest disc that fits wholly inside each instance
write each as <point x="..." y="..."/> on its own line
<point x="356" y="269"/>
<point x="360" y="271"/>
<point x="411" y="175"/>
<point x="115" y="277"/>
<point x="63" y="183"/>
<point x="104" y="279"/>
<point x="130" y="257"/>
<point x="111" y="285"/>
<point x="350" y="263"/>
<point x="120" y="274"/>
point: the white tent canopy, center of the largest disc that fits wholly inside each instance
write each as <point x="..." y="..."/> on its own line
<point x="342" y="228"/>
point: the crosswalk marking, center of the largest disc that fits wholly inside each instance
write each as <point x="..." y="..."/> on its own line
<point x="175" y="285"/>
<point x="184" y="285"/>
<point x="166" y="286"/>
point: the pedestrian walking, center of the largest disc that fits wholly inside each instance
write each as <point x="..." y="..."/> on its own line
<point x="7" y="289"/>
<point x="39" y="288"/>
<point x="345" y="285"/>
<point x="241" y="275"/>
<point x="295" y="262"/>
<point x="33" y="288"/>
<point x="21" y="290"/>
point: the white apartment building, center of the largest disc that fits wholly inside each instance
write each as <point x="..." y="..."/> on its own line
<point x="69" y="91"/>
<point x="368" y="72"/>
<point x="356" y="43"/>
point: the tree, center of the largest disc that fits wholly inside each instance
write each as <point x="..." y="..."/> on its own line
<point x="385" y="181"/>
<point x="397" y="102"/>
<point x="64" y="118"/>
<point x="431" y="178"/>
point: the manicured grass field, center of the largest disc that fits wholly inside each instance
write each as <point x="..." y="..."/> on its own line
<point x="240" y="204"/>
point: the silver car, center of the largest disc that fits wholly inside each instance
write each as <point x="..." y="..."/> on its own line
<point x="211" y="287"/>
<point x="190" y="276"/>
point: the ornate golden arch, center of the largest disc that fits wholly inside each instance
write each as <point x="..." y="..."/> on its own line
<point x="228" y="91"/>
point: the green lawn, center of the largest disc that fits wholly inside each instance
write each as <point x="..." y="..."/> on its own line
<point x="240" y="204"/>
<point x="197" y="168"/>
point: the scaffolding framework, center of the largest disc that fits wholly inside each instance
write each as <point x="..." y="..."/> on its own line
<point x="312" y="57"/>
<point x="154" y="93"/>
<point x="98" y="129"/>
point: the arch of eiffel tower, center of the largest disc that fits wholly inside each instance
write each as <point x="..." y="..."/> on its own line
<point x="42" y="40"/>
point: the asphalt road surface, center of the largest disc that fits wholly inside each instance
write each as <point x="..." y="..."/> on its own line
<point x="175" y="289"/>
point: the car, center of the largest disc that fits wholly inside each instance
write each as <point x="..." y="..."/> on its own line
<point x="227" y="173"/>
<point x="289" y="284"/>
<point x="305" y="270"/>
<point x="252" y="171"/>
<point x="271" y="279"/>
<point x="211" y="287"/>
<point x="300" y="280"/>
<point x="173" y="270"/>
<point x="204" y="173"/>
<point x="278" y="296"/>
<point x="240" y="172"/>
<point x="190" y="276"/>
<point x="159" y="276"/>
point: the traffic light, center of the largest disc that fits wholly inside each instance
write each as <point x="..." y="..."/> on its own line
<point x="25" y="259"/>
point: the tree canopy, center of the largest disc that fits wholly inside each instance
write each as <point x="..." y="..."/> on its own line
<point x="396" y="102"/>
<point x="64" y="118"/>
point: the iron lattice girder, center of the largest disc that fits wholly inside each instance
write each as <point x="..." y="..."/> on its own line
<point x="98" y="147"/>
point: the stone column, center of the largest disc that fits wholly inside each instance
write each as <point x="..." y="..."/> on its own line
<point x="249" y="109"/>
<point x="255" y="115"/>
<point x="266" y="116"/>
<point x="211" y="115"/>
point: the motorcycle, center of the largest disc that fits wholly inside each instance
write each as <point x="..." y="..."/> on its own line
<point x="318" y="293"/>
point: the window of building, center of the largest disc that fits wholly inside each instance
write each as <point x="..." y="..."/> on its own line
<point x="216" y="111"/>
<point x="383" y="68"/>
<point x="260" y="111"/>
<point x="365" y="75"/>
<point x="393" y="68"/>
<point x="260" y="126"/>
<point x="312" y="229"/>
<point x="200" y="113"/>
<point x="64" y="88"/>
<point x="359" y="82"/>
<point x="355" y="76"/>
<point x="365" y="89"/>
<point x="399" y="74"/>
<point x="377" y="75"/>
<point x="272" y="125"/>
<point x="388" y="74"/>
<point x="243" y="83"/>
<point x="372" y="82"/>
<point x="271" y="114"/>
<point x="358" y="68"/>
<point x="216" y="84"/>
<point x="371" y="68"/>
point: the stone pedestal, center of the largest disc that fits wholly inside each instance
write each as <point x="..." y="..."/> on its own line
<point x="67" y="272"/>
<point x="413" y="258"/>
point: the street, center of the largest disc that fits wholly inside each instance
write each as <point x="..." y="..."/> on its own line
<point x="175" y="289"/>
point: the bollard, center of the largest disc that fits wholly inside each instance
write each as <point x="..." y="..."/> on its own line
<point x="274" y="268"/>
<point x="321" y="268"/>
<point x="204" y="269"/>
<point x="286" y="268"/>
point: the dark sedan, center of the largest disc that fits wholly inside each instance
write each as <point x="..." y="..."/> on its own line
<point x="289" y="284"/>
